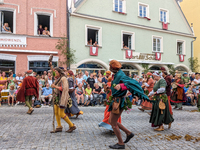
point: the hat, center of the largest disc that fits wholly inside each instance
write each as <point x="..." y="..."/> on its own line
<point x="70" y="72"/>
<point x="156" y="73"/>
<point x="163" y="69"/>
<point x="29" y="72"/>
<point x="185" y="73"/>
<point x="149" y="73"/>
<point x="108" y="72"/>
<point x="115" y="64"/>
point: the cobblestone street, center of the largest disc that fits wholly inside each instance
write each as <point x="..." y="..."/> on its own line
<point x="21" y="131"/>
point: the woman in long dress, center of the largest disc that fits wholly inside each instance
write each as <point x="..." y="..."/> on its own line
<point x="148" y="85"/>
<point x="74" y="110"/>
<point x="160" y="115"/>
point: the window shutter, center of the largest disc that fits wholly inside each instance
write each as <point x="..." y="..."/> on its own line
<point x="113" y="5"/>
<point x="124" y="6"/>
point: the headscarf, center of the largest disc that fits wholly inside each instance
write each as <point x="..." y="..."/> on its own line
<point x="156" y="73"/>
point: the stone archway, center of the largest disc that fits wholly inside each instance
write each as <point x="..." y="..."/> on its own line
<point x="182" y="68"/>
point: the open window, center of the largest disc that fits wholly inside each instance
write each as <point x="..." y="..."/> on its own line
<point x="93" y="35"/>
<point x="43" y="24"/>
<point x="6" y="21"/>
<point x="180" y="47"/>
<point x="128" y="40"/>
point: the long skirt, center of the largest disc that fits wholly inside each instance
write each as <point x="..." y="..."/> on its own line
<point x="146" y="105"/>
<point x="105" y="122"/>
<point x="170" y="106"/>
<point x="157" y="118"/>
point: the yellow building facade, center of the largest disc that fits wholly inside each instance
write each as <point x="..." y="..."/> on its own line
<point x="191" y="9"/>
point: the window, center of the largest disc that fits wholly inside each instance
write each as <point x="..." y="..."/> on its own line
<point x="157" y="44"/>
<point x="180" y="47"/>
<point x="43" y="24"/>
<point x="164" y="15"/>
<point x="6" y="65"/>
<point x="6" y="20"/>
<point x="93" y="34"/>
<point x="40" y="66"/>
<point x="128" y="40"/>
<point x="119" y="6"/>
<point x="143" y="10"/>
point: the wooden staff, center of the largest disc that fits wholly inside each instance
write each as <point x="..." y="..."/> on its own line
<point x="51" y="66"/>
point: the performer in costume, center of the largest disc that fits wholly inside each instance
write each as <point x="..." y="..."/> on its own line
<point x="120" y="84"/>
<point x="178" y="95"/>
<point x="160" y="112"/>
<point x="168" y="89"/>
<point x="74" y="110"/>
<point x="29" y="88"/>
<point x="60" y="98"/>
<point x="105" y="122"/>
<point x="149" y="87"/>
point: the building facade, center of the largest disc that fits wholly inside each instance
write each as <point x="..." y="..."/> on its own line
<point x="191" y="11"/>
<point x="137" y="33"/>
<point x="22" y="46"/>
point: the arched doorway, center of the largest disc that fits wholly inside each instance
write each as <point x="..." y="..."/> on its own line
<point x="181" y="69"/>
<point x="154" y="68"/>
<point x="129" y="69"/>
<point x="91" y="67"/>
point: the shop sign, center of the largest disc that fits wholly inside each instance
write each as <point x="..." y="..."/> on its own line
<point x="143" y="56"/>
<point x="9" y="40"/>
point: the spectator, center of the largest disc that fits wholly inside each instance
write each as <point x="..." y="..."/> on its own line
<point x="3" y="77"/>
<point x="49" y="78"/>
<point x="11" y="79"/>
<point x="85" y="77"/>
<point x="6" y="28"/>
<point x="18" y="88"/>
<point x="98" y="97"/>
<point x="95" y="77"/>
<point x="46" y="93"/>
<point x="100" y="80"/>
<point x="91" y="81"/>
<point x="45" y="77"/>
<point x="89" y="42"/>
<point x="79" y="79"/>
<point x="186" y="79"/>
<point x="42" y="81"/>
<point x="140" y="81"/>
<point x="19" y="79"/>
<point x="95" y="44"/>
<point x="79" y="92"/>
<point x="88" y="93"/>
<point x="124" y="46"/>
<point x="190" y="96"/>
<point x="40" y="30"/>
<point x="192" y="77"/>
<point x="11" y="94"/>
<point x="105" y="79"/>
<point x="46" y="32"/>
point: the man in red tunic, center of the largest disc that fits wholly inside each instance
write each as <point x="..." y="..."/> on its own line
<point x="29" y="88"/>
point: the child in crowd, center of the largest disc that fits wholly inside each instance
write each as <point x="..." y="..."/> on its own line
<point x="11" y="94"/>
<point x="190" y="96"/>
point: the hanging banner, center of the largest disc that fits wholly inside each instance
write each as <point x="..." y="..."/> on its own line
<point x="93" y="51"/>
<point x="129" y="54"/>
<point x="158" y="56"/>
<point x="181" y="58"/>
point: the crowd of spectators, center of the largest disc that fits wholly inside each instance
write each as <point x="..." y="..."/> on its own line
<point x="89" y="86"/>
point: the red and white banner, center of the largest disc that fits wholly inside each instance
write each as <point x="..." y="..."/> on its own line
<point x="165" y="26"/>
<point x="93" y="51"/>
<point x="181" y="58"/>
<point x="129" y="54"/>
<point x="158" y="56"/>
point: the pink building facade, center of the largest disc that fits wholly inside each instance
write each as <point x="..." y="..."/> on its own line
<point x="23" y="48"/>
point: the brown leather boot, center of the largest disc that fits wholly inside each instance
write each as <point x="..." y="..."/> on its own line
<point x="28" y="112"/>
<point x="71" y="129"/>
<point x="31" y="110"/>
<point x="58" y="129"/>
<point x="169" y="125"/>
<point x="161" y="128"/>
<point x="141" y="109"/>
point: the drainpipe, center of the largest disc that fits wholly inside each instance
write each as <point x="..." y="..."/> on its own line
<point x="192" y="51"/>
<point x="68" y="14"/>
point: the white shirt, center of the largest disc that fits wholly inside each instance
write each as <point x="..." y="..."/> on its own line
<point x="79" y="80"/>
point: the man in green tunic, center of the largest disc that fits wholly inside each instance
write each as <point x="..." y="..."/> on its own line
<point x="160" y="114"/>
<point x="120" y="84"/>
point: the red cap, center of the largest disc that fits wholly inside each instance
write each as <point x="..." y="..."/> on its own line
<point x="29" y="71"/>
